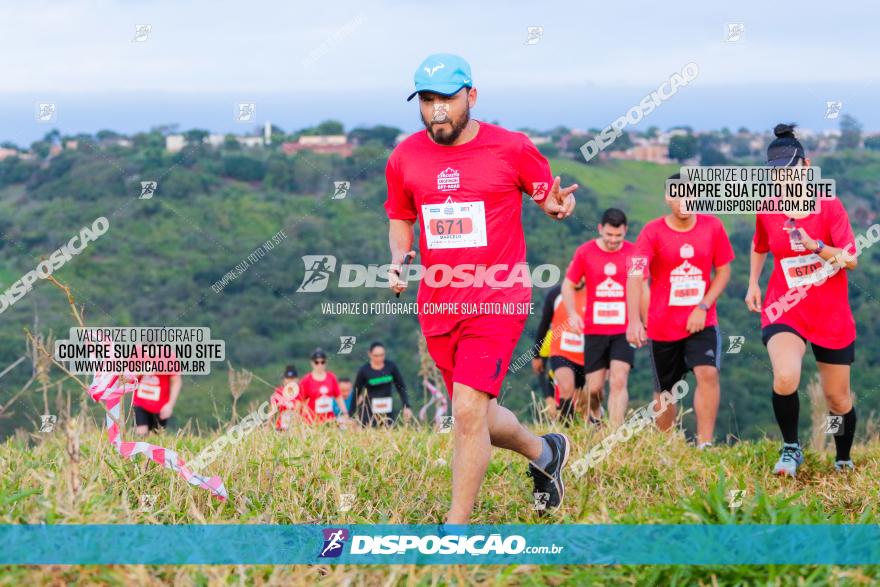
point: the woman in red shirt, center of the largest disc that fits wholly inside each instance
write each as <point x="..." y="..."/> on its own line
<point x="807" y="301"/>
<point x="319" y="389"/>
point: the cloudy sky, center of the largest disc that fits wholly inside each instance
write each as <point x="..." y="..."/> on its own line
<point x="353" y="61"/>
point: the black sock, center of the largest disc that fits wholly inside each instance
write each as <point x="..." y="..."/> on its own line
<point x="844" y="442"/>
<point x="787" y="410"/>
<point x="566" y="409"/>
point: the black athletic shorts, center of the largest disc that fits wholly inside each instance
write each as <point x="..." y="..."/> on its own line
<point x="601" y="349"/>
<point x="579" y="377"/>
<point x="671" y="360"/>
<point x="152" y="421"/>
<point x="844" y="356"/>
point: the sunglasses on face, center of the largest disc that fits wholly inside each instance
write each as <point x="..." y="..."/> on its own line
<point x="319" y="361"/>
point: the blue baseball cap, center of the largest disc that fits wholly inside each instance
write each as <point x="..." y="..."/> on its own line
<point x="442" y="73"/>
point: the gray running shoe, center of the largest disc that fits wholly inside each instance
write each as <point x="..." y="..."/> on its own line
<point x="790" y="459"/>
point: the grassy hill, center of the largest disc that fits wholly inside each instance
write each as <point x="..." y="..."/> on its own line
<point x="297" y="477"/>
<point x="158" y="261"/>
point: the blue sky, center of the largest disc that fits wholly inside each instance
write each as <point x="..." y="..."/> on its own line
<point x="353" y="61"/>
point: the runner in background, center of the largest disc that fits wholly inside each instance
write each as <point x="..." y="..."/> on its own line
<point x="540" y="368"/>
<point x="567" y="354"/>
<point x="463" y="181"/>
<point x="154" y="400"/>
<point x="678" y="252"/>
<point x="808" y="251"/>
<point x="286" y="399"/>
<point x="345" y="388"/>
<point x="374" y="404"/>
<point x="602" y="264"/>
<point x="319" y="389"/>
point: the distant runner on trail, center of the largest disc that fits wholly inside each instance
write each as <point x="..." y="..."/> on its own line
<point x="540" y="368"/>
<point x="319" y="389"/>
<point x="374" y="404"/>
<point x="286" y="399"/>
<point x="678" y="253"/>
<point x="808" y="251"/>
<point x="602" y="263"/>
<point x="567" y="354"/>
<point x="463" y="181"/>
<point x="345" y="390"/>
<point x="154" y="401"/>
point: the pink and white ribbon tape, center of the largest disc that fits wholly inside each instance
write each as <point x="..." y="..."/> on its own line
<point x="109" y="389"/>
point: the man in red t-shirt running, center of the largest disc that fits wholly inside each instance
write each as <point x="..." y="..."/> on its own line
<point x="678" y="253"/>
<point x="154" y="400"/>
<point x="463" y="181"/>
<point x="602" y="263"/>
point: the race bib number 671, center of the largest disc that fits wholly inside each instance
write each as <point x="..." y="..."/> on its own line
<point x="454" y="225"/>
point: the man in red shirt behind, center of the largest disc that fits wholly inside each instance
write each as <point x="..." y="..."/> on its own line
<point x="154" y="400"/>
<point x="602" y="263"/>
<point x="678" y="252"/>
<point x="463" y="180"/>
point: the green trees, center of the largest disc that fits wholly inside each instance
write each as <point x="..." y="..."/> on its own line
<point x="682" y="147"/>
<point x="850" y="133"/>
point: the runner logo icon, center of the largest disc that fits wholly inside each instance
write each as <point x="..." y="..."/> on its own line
<point x="318" y="270"/>
<point x="334" y="541"/>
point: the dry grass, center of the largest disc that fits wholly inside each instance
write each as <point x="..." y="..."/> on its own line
<point x="402" y="476"/>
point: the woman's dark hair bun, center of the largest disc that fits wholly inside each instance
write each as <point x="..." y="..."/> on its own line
<point x="784" y="130"/>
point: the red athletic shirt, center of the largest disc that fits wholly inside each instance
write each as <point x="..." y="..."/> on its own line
<point x="605" y="276"/>
<point x="467" y="200"/>
<point x="153" y="392"/>
<point x="822" y="315"/>
<point x="284" y="403"/>
<point x="680" y="266"/>
<point x="154" y="389"/>
<point x="318" y="396"/>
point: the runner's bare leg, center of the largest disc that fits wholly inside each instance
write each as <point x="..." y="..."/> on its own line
<point x="595" y="385"/>
<point x="506" y="432"/>
<point x="471" y="450"/>
<point x="706" y="401"/>
<point x="618" y="396"/>
<point x="479" y="423"/>
<point x="564" y="377"/>
<point x="665" y="419"/>
<point x="835" y="384"/>
<point x="786" y="352"/>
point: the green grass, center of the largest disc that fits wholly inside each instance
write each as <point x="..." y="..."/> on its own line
<point x="403" y="476"/>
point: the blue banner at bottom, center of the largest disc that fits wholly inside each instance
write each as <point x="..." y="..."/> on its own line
<point x="431" y="544"/>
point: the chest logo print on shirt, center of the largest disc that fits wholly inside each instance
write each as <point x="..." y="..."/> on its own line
<point x="448" y="180"/>
<point x="686" y="281"/>
<point x="686" y="271"/>
<point x="609" y="288"/>
<point x="323" y="390"/>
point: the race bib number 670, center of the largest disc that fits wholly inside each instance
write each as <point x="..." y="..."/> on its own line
<point x="455" y="225"/>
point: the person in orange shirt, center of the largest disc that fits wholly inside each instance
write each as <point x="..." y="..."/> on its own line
<point x="567" y="353"/>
